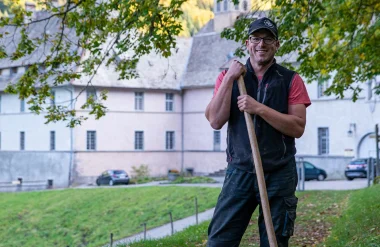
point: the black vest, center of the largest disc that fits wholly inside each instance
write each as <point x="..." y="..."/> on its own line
<point x="276" y="149"/>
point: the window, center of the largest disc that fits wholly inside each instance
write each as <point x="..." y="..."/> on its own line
<point x="91" y="140"/>
<point x="169" y="102"/>
<point x="0" y="140"/>
<point x="0" y="103"/>
<point x="90" y="93"/>
<point x="52" y="98"/>
<point x="322" y="86"/>
<point x="22" y="140"/>
<point x="139" y="140"/>
<point x="22" y="105"/>
<point x="245" y="5"/>
<point x="323" y="141"/>
<point x="13" y="71"/>
<point x="308" y="166"/>
<point x="225" y="5"/>
<point x="216" y="140"/>
<point x="236" y="6"/>
<point x="139" y="101"/>
<point x="41" y="68"/>
<point x="52" y="140"/>
<point x="218" y="6"/>
<point x="169" y="140"/>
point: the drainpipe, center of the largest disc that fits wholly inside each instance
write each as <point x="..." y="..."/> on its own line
<point x="182" y="132"/>
<point x="71" y="165"/>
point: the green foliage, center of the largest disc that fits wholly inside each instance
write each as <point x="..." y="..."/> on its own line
<point x="76" y="217"/>
<point x="111" y="32"/>
<point x="140" y="172"/>
<point x="333" y="39"/>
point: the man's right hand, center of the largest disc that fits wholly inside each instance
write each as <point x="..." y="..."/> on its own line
<point x="236" y="70"/>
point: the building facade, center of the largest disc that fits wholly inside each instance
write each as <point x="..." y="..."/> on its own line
<point x="158" y="119"/>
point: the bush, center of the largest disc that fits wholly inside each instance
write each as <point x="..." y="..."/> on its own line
<point x="140" y="172"/>
<point x="376" y="180"/>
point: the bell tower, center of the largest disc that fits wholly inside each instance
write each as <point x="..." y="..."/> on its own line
<point x="225" y="13"/>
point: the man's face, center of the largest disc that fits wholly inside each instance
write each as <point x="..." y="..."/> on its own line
<point x="262" y="51"/>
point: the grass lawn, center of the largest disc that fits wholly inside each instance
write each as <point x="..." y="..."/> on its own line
<point x="360" y="224"/>
<point x="324" y="218"/>
<point x="86" y="217"/>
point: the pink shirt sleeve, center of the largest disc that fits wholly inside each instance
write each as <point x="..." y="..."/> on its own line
<point x="219" y="81"/>
<point x="298" y="93"/>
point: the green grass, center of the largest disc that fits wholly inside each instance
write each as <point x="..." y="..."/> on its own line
<point x="193" y="180"/>
<point x="360" y="224"/>
<point x="316" y="213"/>
<point x="86" y="217"/>
<point x="191" y="236"/>
<point x="319" y="213"/>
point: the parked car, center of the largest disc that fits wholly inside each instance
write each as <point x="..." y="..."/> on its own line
<point x="112" y="177"/>
<point x="358" y="168"/>
<point x="313" y="172"/>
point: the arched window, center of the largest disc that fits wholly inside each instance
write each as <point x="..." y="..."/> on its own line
<point x="218" y="5"/>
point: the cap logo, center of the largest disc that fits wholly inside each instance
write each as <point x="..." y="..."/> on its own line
<point x="268" y="23"/>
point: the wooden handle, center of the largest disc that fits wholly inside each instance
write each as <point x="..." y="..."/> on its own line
<point x="259" y="171"/>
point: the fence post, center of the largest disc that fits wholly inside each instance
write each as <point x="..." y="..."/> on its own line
<point x="144" y="224"/>
<point x="369" y="172"/>
<point x="171" y="221"/>
<point x="303" y="174"/>
<point x="111" y="239"/>
<point x="196" y="210"/>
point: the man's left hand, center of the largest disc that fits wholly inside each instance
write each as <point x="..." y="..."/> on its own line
<point x="248" y="104"/>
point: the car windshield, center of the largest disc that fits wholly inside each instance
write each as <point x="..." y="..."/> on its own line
<point x="357" y="162"/>
<point x="119" y="172"/>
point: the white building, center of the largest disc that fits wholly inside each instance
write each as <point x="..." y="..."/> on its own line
<point x="158" y="119"/>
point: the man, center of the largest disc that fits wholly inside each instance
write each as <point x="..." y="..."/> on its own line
<point x="277" y="100"/>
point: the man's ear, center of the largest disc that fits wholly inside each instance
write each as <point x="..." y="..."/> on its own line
<point x="277" y="45"/>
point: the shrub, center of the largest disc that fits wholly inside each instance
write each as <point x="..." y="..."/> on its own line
<point x="140" y="172"/>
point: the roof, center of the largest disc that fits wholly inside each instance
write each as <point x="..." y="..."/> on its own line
<point x="154" y="70"/>
<point x="209" y="55"/>
<point x="35" y="30"/>
<point x="12" y="37"/>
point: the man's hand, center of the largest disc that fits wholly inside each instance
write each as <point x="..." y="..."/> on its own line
<point x="236" y="70"/>
<point x="248" y="104"/>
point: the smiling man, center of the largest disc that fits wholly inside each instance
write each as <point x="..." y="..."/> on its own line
<point x="277" y="100"/>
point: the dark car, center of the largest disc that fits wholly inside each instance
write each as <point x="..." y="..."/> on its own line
<point x="357" y="168"/>
<point x="112" y="177"/>
<point x="313" y="172"/>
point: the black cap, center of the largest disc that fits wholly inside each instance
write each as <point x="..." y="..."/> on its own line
<point x="263" y="23"/>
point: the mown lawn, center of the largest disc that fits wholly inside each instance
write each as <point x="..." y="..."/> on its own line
<point x="86" y="217"/>
<point x="324" y="218"/>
